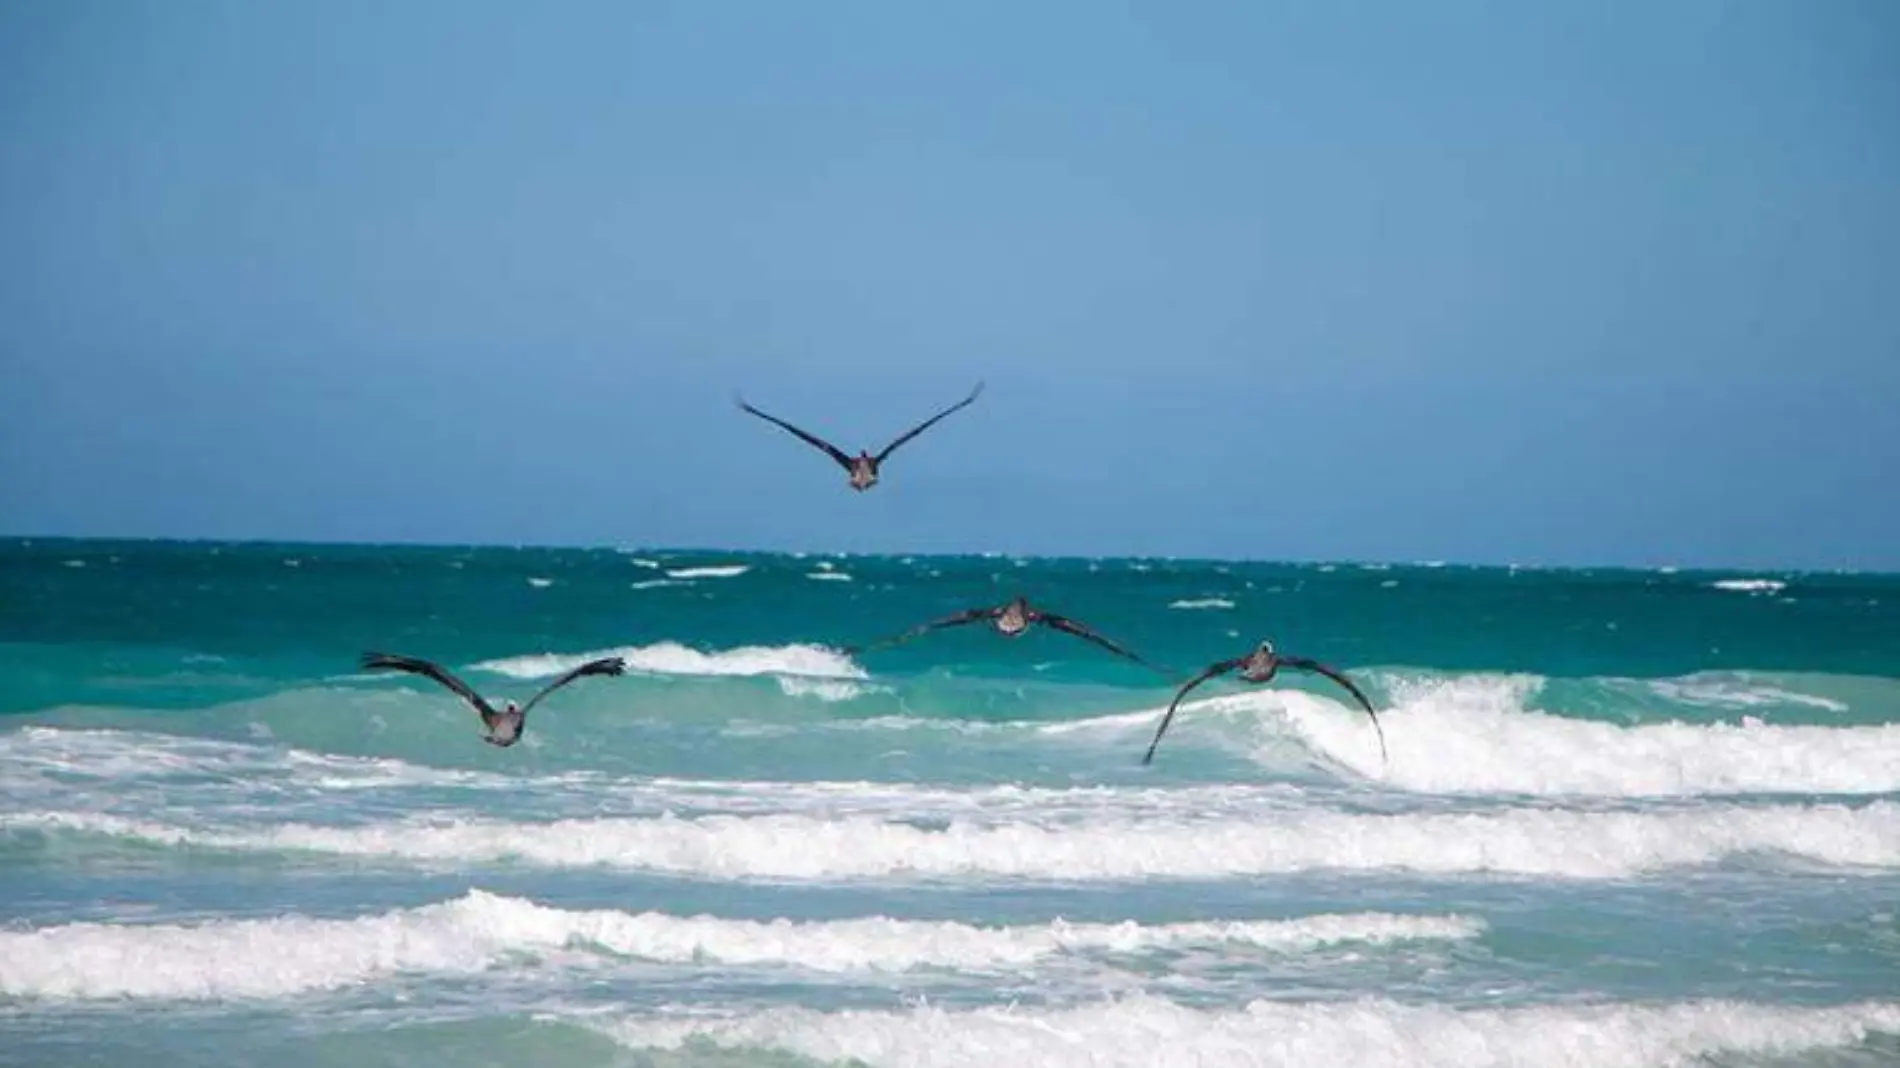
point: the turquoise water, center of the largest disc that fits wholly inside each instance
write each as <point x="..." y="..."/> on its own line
<point x="1629" y="818"/>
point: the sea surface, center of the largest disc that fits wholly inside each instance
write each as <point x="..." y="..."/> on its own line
<point x="1629" y="818"/>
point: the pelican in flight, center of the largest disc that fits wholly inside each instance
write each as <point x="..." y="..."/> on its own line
<point x="863" y="467"/>
<point x="1011" y="621"/>
<point x="1260" y="666"/>
<point x="504" y="726"/>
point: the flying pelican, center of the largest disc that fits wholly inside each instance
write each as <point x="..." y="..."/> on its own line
<point x="1011" y="621"/>
<point x="505" y="726"/>
<point x="863" y="467"/>
<point x="1260" y="666"/>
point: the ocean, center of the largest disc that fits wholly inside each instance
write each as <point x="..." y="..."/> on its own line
<point x="1629" y="818"/>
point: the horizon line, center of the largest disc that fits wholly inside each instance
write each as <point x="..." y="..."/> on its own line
<point x="1371" y="563"/>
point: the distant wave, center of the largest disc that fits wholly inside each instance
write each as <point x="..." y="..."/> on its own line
<point x="1750" y="585"/>
<point x="540" y="583"/>
<point x="1204" y="602"/>
<point x="292" y="954"/>
<point x="672" y="658"/>
<point x="1517" y="841"/>
<point x="721" y="571"/>
<point x="1142" y="1030"/>
<point x="654" y="584"/>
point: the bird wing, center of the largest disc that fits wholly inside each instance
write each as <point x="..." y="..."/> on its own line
<point x="957" y="620"/>
<point x="1304" y="664"/>
<point x="417" y="666"/>
<point x="1070" y="626"/>
<point x="1220" y="668"/>
<point x="808" y="437"/>
<point x="611" y="665"/>
<point x="930" y="422"/>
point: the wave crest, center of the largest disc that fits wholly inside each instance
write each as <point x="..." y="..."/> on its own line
<point x="672" y="658"/>
<point x="291" y="954"/>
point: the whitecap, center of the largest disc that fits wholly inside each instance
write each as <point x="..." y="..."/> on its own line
<point x="1145" y="1031"/>
<point x="1749" y="585"/>
<point x="721" y="571"/>
<point x="1542" y="842"/>
<point x="672" y="658"/>
<point x="1202" y="603"/>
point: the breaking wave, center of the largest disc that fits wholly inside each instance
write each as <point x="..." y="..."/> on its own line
<point x="1515" y="842"/>
<point x="291" y="954"/>
<point x="1143" y="1031"/>
<point x="672" y="658"/>
<point x="1476" y="735"/>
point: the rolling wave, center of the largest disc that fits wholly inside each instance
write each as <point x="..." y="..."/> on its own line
<point x="291" y="954"/>
<point x="672" y="658"/>
<point x="1143" y="1031"/>
<point x="1476" y="735"/>
<point x="1515" y="842"/>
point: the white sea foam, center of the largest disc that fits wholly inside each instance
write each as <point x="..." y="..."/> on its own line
<point x="654" y="584"/>
<point x="1474" y="735"/>
<point x="638" y="561"/>
<point x="540" y="583"/>
<point x="672" y="658"/>
<point x="291" y="954"/>
<point x="828" y="576"/>
<point x="720" y="571"/>
<point x="1144" y="1031"/>
<point x="1723" y="691"/>
<point x="832" y="690"/>
<point x="1203" y="602"/>
<point x="1749" y="585"/>
<point x="1522" y="841"/>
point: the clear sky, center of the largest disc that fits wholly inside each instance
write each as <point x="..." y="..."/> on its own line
<point x="1603" y="282"/>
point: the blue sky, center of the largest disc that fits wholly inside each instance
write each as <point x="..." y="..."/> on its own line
<point x="1607" y="282"/>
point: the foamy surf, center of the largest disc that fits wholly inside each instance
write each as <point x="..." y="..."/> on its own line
<point x="1475" y="735"/>
<point x="288" y="955"/>
<point x="672" y="658"/>
<point x="1144" y="1031"/>
<point x="1517" y="842"/>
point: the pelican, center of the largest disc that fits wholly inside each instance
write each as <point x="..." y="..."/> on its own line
<point x="1011" y="620"/>
<point x="863" y="467"/>
<point x="1260" y="666"/>
<point x="504" y="726"/>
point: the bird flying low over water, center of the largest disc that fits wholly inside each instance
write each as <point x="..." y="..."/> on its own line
<point x="1011" y="620"/>
<point x="1260" y="666"/>
<point x="504" y="726"/>
<point x="863" y="468"/>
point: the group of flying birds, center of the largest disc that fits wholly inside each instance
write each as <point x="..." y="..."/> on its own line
<point x="504" y="725"/>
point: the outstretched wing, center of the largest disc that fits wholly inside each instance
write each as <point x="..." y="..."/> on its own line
<point x="957" y="620"/>
<point x="1070" y="626"/>
<point x="1221" y="668"/>
<point x="930" y="422"/>
<point x="806" y="436"/>
<point x="1304" y="664"/>
<point x="611" y="665"/>
<point x="417" y="666"/>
